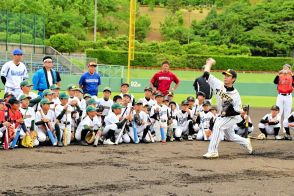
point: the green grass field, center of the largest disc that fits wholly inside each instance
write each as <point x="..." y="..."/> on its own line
<point x="191" y="75"/>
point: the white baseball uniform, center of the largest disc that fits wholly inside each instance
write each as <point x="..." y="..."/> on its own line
<point x="224" y="124"/>
<point x="107" y="105"/>
<point x="269" y="128"/>
<point x="41" y="132"/>
<point x="94" y="124"/>
<point x="240" y="127"/>
<point x="14" y="75"/>
<point x="161" y="121"/>
<point x="65" y="121"/>
<point x="206" y="120"/>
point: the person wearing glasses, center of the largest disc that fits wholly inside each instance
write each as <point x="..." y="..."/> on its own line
<point x="46" y="76"/>
<point x="90" y="80"/>
<point x="13" y="73"/>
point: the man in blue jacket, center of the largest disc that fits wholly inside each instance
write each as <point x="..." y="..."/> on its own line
<point x="90" y="80"/>
<point x="46" y="76"/>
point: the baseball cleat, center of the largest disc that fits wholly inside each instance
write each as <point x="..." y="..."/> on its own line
<point x="211" y="155"/>
<point x="190" y="138"/>
<point x="278" y="137"/>
<point x="108" y="142"/>
<point x="249" y="147"/>
<point x="288" y="137"/>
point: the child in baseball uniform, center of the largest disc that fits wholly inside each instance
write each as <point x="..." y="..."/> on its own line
<point x="159" y="115"/>
<point x="63" y="117"/>
<point x="83" y="104"/>
<point x="124" y="89"/>
<point x="140" y="122"/>
<point x="270" y="124"/>
<point x="205" y="121"/>
<point x="55" y="90"/>
<point x="105" y="101"/>
<point x="184" y="122"/>
<point x="45" y="119"/>
<point x="147" y="100"/>
<point x="240" y="126"/>
<point x="289" y="126"/>
<point x="114" y="122"/>
<point x="91" y="123"/>
<point x="172" y="122"/>
<point x="29" y="116"/>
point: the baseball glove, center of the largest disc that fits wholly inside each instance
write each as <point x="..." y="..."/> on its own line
<point x="90" y="137"/>
<point x="137" y="120"/>
<point x="261" y="136"/>
<point x="100" y="108"/>
<point x="27" y="141"/>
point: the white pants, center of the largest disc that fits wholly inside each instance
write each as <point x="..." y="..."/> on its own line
<point x="125" y="137"/>
<point x="15" y="91"/>
<point x="241" y="131"/>
<point x="156" y="127"/>
<point x="269" y="128"/>
<point x="285" y="105"/>
<point x="182" y="129"/>
<point x="225" y="125"/>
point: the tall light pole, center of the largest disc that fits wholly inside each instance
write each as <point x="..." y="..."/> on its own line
<point x="95" y="20"/>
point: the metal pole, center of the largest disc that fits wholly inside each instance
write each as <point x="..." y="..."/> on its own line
<point x="95" y="20"/>
<point x="6" y="30"/>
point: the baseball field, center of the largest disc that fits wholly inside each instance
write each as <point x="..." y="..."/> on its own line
<point x="151" y="169"/>
<point x="175" y="168"/>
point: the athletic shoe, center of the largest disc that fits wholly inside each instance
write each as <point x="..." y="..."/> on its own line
<point x="59" y="144"/>
<point x="249" y="146"/>
<point x="190" y="138"/>
<point x="172" y="139"/>
<point x="288" y="137"/>
<point x="83" y="143"/>
<point x="210" y="155"/>
<point x="278" y="137"/>
<point x="108" y="142"/>
<point x="144" y="140"/>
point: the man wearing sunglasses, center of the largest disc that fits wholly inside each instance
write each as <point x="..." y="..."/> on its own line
<point x="13" y="73"/>
<point x="90" y="80"/>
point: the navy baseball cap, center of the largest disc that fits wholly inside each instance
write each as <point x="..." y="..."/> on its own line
<point x="17" y="52"/>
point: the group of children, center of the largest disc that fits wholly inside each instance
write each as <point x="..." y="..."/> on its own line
<point x="60" y="118"/>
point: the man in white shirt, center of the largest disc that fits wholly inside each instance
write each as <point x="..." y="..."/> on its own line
<point x="13" y="73"/>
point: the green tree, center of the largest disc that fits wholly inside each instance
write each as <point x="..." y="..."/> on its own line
<point x="142" y="27"/>
<point x="64" y="42"/>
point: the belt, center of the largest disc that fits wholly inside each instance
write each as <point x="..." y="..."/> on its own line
<point x="285" y="94"/>
<point x="163" y="120"/>
<point x="65" y="123"/>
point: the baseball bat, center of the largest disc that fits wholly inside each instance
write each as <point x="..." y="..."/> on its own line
<point x="15" y="139"/>
<point x="204" y="133"/>
<point x="65" y="131"/>
<point x="136" y="139"/>
<point x="247" y="124"/>
<point x="5" y="143"/>
<point x="51" y="136"/>
<point x="120" y="134"/>
<point x="163" y="140"/>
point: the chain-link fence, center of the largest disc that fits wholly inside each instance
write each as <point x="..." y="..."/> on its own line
<point x="21" y="28"/>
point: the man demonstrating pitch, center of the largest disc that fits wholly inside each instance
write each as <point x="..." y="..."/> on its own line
<point x="229" y="108"/>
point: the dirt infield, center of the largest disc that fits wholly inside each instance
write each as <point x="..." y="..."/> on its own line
<point x="151" y="169"/>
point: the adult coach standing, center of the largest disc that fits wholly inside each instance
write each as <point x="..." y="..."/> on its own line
<point x="229" y="107"/>
<point x="90" y="80"/>
<point x="201" y="84"/>
<point x="13" y="73"/>
<point x="285" y="81"/>
<point x="46" y="76"/>
<point x="162" y="80"/>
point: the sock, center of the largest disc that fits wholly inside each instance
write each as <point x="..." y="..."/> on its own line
<point x="83" y="134"/>
<point x="58" y="132"/>
<point x="287" y="130"/>
<point x="263" y="131"/>
<point x="276" y="130"/>
<point x="190" y="127"/>
<point x="145" y="131"/>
